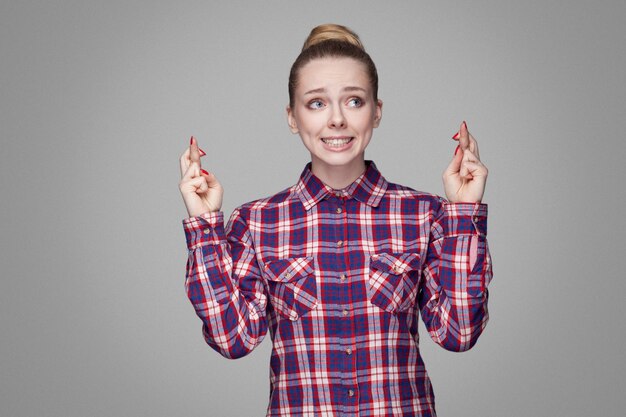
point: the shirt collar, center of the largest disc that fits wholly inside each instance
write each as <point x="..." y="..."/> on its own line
<point x="368" y="188"/>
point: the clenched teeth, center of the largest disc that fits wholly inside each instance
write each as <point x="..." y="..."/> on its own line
<point x="336" y="142"/>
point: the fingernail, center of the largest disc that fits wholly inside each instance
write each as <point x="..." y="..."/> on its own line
<point x="465" y="124"/>
<point x="204" y="171"/>
<point x="191" y="141"/>
<point x="456" y="135"/>
<point x="202" y="153"/>
<point x="457" y="149"/>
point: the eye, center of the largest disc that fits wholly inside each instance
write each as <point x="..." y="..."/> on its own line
<point x="315" y="104"/>
<point x="355" y="102"/>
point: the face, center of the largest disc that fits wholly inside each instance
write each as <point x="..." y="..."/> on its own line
<point x="334" y="112"/>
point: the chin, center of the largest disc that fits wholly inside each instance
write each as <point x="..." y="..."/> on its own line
<point x="339" y="160"/>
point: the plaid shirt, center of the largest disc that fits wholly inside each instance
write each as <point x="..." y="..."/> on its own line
<point x="339" y="278"/>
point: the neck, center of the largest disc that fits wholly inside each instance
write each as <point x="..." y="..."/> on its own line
<point x="338" y="176"/>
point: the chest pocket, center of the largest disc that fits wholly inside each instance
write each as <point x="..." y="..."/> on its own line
<point x="292" y="285"/>
<point x="394" y="280"/>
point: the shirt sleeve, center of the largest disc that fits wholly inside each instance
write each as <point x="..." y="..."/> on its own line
<point x="455" y="275"/>
<point x="224" y="284"/>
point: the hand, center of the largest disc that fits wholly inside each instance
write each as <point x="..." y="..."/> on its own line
<point x="200" y="189"/>
<point x="465" y="178"/>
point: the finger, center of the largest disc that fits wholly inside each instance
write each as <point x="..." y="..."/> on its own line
<point x="468" y="156"/>
<point x="464" y="136"/>
<point x="199" y="183"/>
<point x="474" y="169"/>
<point x="185" y="158"/>
<point x="474" y="146"/>
<point x="469" y="160"/>
<point x="211" y="179"/>
<point x="194" y="153"/>
<point x="193" y="171"/>
<point x="201" y="153"/>
<point x="455" y="165"/>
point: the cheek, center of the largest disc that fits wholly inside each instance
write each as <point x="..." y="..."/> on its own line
<point x="365" y="121"/>
<point x="312" y="124"/>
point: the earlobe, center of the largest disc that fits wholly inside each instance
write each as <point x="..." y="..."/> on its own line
<point x="291" y="121"/>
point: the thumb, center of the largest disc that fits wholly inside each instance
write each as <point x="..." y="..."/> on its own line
<point x="211" y="180"/>
<point x="455" y="165"/>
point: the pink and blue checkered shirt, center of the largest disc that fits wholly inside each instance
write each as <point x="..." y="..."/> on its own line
<point x="339" y="278"/>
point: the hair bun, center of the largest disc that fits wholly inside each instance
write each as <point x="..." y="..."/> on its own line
<point x="331" y="31"/>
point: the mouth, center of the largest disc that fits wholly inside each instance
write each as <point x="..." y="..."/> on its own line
<point x="337" y="141"/>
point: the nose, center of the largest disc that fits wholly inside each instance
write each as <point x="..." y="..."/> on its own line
<point x="336" y="119"/>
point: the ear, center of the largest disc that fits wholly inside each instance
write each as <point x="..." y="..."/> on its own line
<point x="291" y="120"/>
<point x="379" y="113"/>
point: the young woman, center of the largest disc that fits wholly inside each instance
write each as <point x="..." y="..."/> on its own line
<point x="338" y="266"/>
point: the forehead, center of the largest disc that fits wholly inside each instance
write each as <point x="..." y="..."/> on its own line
<point x="332" y="73"/>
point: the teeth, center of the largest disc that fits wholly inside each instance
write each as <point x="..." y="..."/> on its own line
<point x="336" y="142"/>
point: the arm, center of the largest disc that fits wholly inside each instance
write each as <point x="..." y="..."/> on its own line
<point x="455" y="275"/>
<point x="224" y="284"/>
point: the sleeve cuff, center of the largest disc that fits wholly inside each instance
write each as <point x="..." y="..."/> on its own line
<point x="207" y="228"/>
<point x="465" y="219"/>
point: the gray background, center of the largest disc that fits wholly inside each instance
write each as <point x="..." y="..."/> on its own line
<point x="99" y="99"/>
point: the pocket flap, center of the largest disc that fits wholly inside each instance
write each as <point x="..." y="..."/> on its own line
<point x="291" y="269"/>
<point x="395" y="263"/>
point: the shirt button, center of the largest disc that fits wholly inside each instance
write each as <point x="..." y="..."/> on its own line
<point x="350" y="393"/>
<point x="342" y="277"/>
<point x="340" y="243"/>
<point x="345" y="312"/>
<point x="374" y="256"/>
<point x="339" y="210"/>
<point x="207" y="231"/>
<point x="348" y="351"/>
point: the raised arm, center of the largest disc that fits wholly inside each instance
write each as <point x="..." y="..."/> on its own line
<point x="223" y="281"/>
<point x="453" y="294"/>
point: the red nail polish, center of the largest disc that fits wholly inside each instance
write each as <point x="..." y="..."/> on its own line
<point x="465" y="124"/>
<point x="191" y="141"/>
<point x="456" y="135"/>
<point x="202" y="153"/>
<point x="204" y="172"/>
<point x="457" y="149"/>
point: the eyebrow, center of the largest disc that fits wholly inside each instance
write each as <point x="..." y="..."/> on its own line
<point x="323" y="90"/>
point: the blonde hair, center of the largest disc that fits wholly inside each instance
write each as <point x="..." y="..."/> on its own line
<point x="332" y="40"/>
<point x="331" y="31"/>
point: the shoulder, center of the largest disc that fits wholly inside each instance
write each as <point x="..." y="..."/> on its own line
<point x="281" y="198"/>
<point x="429" y="201"/>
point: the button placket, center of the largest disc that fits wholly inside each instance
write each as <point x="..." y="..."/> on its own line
<point x="340" y="209"/>
<point x="346" y="345"/>
<point x="342" y="204"/>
